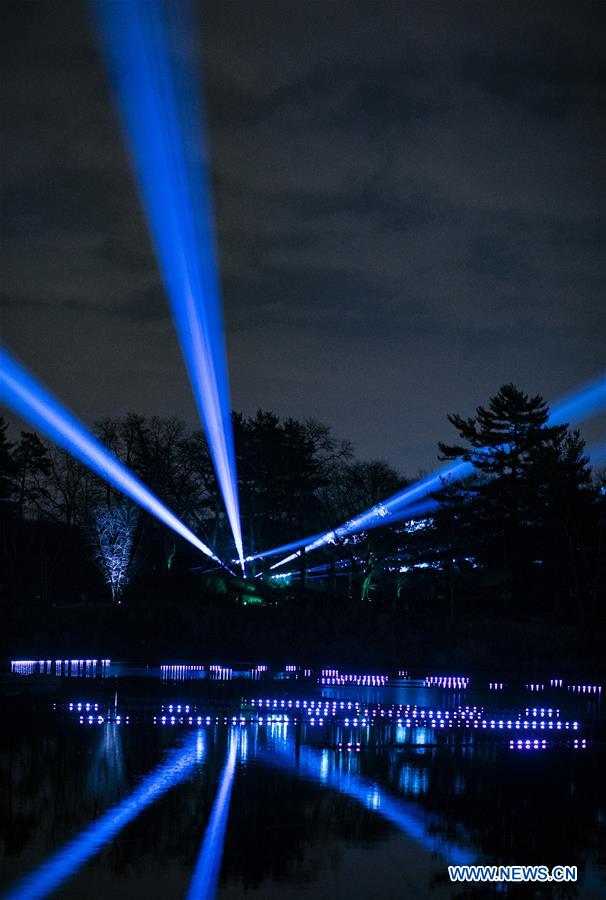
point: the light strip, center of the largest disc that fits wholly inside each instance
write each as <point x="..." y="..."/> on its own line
<point x="148" y="46"/>
<point x="62" y="865"/>
<point x="206" y="874"/>
<point x="26" y="397"/>
<point x="587" y="401"/>
<point x="354" y="526"/>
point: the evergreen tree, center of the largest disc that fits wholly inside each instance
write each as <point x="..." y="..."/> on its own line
<point x="529" y="491"/>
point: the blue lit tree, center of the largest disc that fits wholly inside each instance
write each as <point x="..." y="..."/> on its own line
<point x="112" y="540"/>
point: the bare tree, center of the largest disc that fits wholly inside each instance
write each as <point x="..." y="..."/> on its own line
<point x="112" y="541"/>
<point x="64" y="489"/>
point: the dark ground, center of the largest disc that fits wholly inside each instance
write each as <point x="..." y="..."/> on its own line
<point x="350" y="636"/>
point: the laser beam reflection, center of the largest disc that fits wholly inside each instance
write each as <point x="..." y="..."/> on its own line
<point x="206" y="874"/>
<point x="587" y="401"/>
<point x="148" y="45"/>
<point x="62" y="865"/>
<point x="408" y="817"/>
<point x="26" y="397"/>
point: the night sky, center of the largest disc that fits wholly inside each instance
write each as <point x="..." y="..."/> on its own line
<point x="409" y="201"/>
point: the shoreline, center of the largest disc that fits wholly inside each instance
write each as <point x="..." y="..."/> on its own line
<point x="349" y="637"/>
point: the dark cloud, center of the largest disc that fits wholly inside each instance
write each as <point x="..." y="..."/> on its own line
<point x="63" y="194"/>
<point x="542" y="71"/>
<point x="409" y="202"/>
<point x="150" y="305"/>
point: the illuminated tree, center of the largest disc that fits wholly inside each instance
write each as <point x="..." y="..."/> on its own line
<point x="112" y="540"/>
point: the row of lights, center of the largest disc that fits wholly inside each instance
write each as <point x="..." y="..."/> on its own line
<point x="181" y="672"/>
<point x="86" y="668"/>
<point x="585" y="688"/>
<point x="358" y="680"/>
<point x="460" y="682"/>
<point x="576" y="744"/>
<point x="330" y="676"/>
<point x="220" y="673"/>
<point x="284" y="719"/>
<point x="542" y="711"/>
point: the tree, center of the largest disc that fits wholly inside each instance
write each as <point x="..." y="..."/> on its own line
<point x="112" y="542"/>
<point x="529" y="478"/>
<point x="8" y="471"/>
<point x="283" y="466"/>
<point x="33" y="468"/>
<point x="177" y="467"/>
<point x="66" y="489"/>
<point x="355" y="487"/>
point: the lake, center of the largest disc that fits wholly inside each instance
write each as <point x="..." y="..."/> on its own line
<point x="198" y="779"/>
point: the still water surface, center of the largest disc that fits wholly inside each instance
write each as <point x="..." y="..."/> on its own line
<point x="188" y="781"/>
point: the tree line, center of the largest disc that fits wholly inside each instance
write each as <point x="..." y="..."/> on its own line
<point x="524" y="533"/>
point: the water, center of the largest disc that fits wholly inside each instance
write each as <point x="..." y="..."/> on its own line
<point x="315" y="783"/>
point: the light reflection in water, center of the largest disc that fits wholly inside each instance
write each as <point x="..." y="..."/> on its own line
<point x="107" y="776"/>
<point x="276" y="731"/>
<point x="206" y="874"/>
<point x="414" y="780"/>
<point x="406" y="816"/>
<point x="63" y="864"/>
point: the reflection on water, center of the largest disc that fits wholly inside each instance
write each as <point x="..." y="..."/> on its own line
<point x="106" y="779"/>
<point x="206" y="874"/>
<point x="60" y="866"/>
<point x="285" y="783"/>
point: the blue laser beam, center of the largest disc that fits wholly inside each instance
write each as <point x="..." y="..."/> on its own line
<point x="597" y="454"/>
<point x="204" y="881"/>
<point x="354" y="526"/>
<point x="149" y="48"/>
<point x="317" y="540"/>
<point x="587" y="401"/>
<point x="575" y="407"/>
<point x="66" y="862"/>
<point x="26" y="397"/>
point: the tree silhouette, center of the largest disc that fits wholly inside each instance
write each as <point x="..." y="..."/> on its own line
<point x="529" y="490"/>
